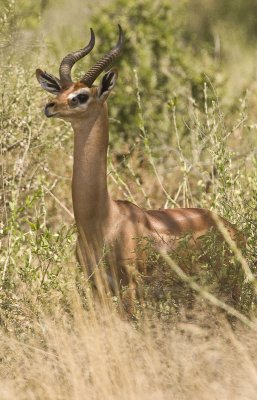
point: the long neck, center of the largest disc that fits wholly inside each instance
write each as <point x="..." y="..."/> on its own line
<point x="89" y="182"/>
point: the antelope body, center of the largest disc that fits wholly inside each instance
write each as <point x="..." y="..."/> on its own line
<point x="102" y="221"/>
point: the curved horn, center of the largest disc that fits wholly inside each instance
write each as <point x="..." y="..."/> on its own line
<point x="69" y="60"/>
<point x="104" y="62"/>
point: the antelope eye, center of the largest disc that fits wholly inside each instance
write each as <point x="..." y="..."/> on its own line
<point x="73" y="102"/>
<point x="82" y="97"/>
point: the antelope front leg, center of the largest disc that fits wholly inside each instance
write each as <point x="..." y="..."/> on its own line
<point x="129" y="295"/>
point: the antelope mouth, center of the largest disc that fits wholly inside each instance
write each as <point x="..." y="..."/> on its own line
<point x="48" y="114"/>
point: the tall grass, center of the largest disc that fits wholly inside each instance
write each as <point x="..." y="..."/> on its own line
<point x="96" y="355"/>
<point x="183" y="133"/>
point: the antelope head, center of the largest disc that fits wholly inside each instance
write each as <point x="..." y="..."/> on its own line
<point x="79" y="99"/>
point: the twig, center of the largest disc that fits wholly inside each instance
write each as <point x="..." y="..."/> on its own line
<point x="206" y="295"/>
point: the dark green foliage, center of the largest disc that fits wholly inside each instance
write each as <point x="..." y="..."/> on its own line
<point x="166" y="65"/>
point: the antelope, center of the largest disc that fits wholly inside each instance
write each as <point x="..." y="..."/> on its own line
<point x="101" y="221"/>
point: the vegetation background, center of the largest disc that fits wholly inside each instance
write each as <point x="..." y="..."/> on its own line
<point x="183" y="133"/>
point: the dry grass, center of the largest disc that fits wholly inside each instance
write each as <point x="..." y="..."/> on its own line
<point x="96" y="355"/>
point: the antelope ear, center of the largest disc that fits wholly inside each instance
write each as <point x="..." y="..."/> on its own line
<point x="48" y="82"/>
<point x="107" y="83"/>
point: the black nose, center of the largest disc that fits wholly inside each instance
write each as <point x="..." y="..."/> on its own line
<point x="50" y="104"/>
<point x="48" y="111"/>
